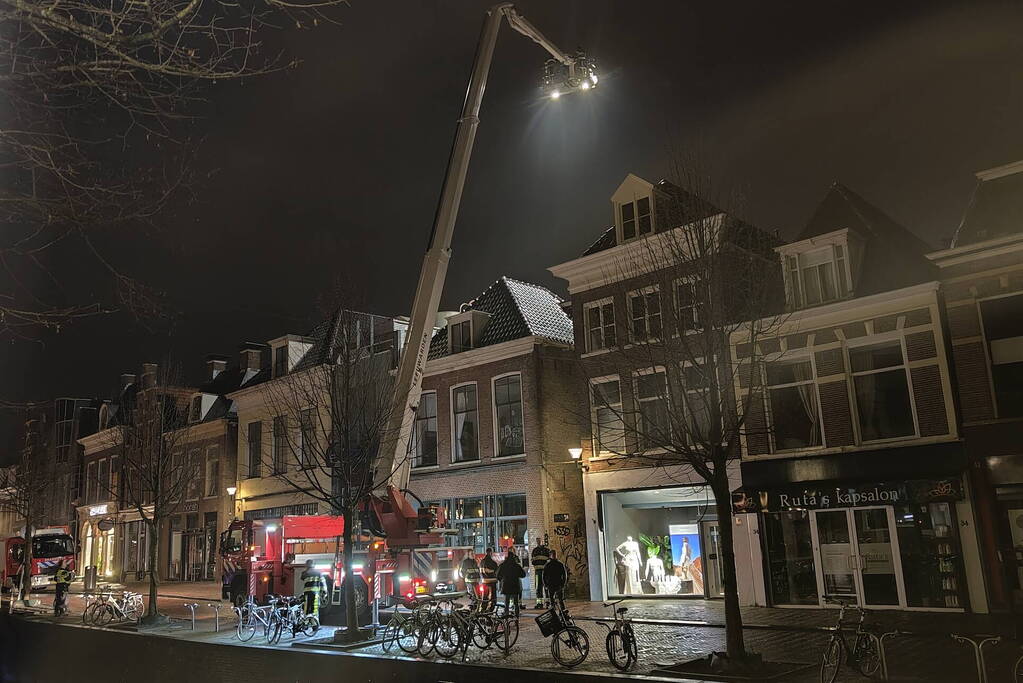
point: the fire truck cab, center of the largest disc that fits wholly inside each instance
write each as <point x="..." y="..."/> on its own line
<point x="49" y="546"/>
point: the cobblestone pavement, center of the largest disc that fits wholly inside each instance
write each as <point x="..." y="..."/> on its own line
<point x="788" y="635"/>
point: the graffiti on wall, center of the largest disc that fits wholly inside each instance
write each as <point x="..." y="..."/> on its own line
<point x="570" y="544"/>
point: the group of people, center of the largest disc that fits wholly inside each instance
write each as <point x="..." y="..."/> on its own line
<point x="483" y="577"/>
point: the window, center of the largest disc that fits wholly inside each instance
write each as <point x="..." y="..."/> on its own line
<point x="103" y="480"/>
<point x="652" y="400"/>
<point x="882" y="391"/>
<point x="424" y="434"/>
<point x="91" y="483"/>
<point x="688" y="304"/>
<point x="461" y="336"/>
<point x="212" y="477"/>
<point x="636" y="219"/>
<point x="194" y="486"/>
<point x="600" y="325"/>
<point x="1003" y="331"/>
<point x="608" y="428"/>
<point x="307" y="428"/>
<point x="465" y="423"/>
<point x="280" y="461"/>
<point x="281" y="361"/>
<point x="816" y="277"/>
<point x="195" y="410"/>
<point x="116" y="494"/>
<point x="645" y="306"/>
<point x="508" y="406"/>
<point x="696" y="393"/>
<point x="792" y="401"/>
<point x="255" y="448"/>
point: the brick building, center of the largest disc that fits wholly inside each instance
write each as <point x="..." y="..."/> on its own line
<point x="497" y="417"/>
<point x="651" y="525"/>
<point x="854" y="472"/>
<point x="982" y="278"/>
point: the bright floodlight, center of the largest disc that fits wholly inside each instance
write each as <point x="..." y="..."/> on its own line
<point x="576" y="453"/>
<point x="559" y="78"/>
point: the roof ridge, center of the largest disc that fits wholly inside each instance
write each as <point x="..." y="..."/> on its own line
<point x="535" y="286"/>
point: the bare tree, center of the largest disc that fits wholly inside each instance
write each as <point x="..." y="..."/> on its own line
<point x="25" y="490"/>
<point x="329" y="418"/>
<point x="92" y="90"/>
<point x="687" y="292"/>
<point x="155" y="470"/>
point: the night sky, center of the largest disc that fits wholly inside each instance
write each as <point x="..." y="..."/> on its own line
<point x="334" y="169"/>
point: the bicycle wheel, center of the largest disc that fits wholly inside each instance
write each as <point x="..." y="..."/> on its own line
<point x="449" y="637"/>
<point x="617" y="652"/>
<point x="310" y="625"/>
<point x="428" y="634"/>
<point x="1017" y="671"/>
<point x="246" y="627"/>
<point x="89" y="613"/>
<point x="570" y="646"/>
<point x="104" y="615"/>
<point x="630" y="642"/>
<point x="408" y="636"/>
<point x="276" y="629"/>
<point x="508" y="634"/>
<point x="831" y="660"/>
<point x="483" y="632"/>
<point x="867" y="654"/>
<point x="390" y="636"/>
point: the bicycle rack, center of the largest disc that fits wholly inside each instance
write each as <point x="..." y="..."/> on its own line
<point x="880" y="648"/>
<point x="978" y="642"/>
<point x="192" y="606"/>
<point x="216" y="608"/>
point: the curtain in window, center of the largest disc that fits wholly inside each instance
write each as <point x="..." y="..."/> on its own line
<point x="803" y="372"/>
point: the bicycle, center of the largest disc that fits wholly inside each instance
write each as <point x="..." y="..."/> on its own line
<point x="570" y="646"/>
<point x="250" y="617"/>
<point x="106" y="608"/>
<point x="621" y="639"/>
<point x="288" y="613"/>
<point x="864" y="655"/>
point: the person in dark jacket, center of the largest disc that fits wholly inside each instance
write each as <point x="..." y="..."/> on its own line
<point x="510" y="575"/>
<point x="541" y="554"/>
<point x="314" y="587"/>
<point x="555" y="577"/>
<point x="470" y="571"/>
<point x="488" y="573"/>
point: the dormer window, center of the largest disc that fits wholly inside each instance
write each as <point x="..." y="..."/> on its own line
<point x="461" y="336"/>
<point x="287" y="352"/>
<point x="817" y="277"/>
<point x="636" y="218"/>
<point x="195" y="410"/>
<point x="281" y="361"/>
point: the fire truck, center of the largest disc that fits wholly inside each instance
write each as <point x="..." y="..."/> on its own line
<point x="50" y="545"/>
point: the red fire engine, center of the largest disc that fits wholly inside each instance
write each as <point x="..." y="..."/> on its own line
<point x="49" y="546"/>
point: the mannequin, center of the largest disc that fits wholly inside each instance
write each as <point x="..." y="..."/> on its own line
<point x="629" y="550"/>
<point x="654" y="570"/>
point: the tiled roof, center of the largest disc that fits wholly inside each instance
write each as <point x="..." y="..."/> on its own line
<point x="607" y="239"/>
<point x="517" y="309"/>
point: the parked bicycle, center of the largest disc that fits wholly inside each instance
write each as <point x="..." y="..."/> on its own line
<point x="621" y="639"/>
<point x="569" y="645"/>
<point x="288" y="616"/>
<point x="252" y="616"/>
<point x="863" y="654"/>
<point x="106" y="609"/>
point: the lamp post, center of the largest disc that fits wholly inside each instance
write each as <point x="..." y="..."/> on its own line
<point x="231" y="490"/>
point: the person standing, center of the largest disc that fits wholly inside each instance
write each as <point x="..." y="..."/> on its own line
<point x="313" y="585"/>
<point x="539" y="558"/>
<point x="488" y="574"/>
<point x="510" y="575"/>
<point x="63" y="579"/>
<point x="470" y="571"/>
<point x="555" y="576"/>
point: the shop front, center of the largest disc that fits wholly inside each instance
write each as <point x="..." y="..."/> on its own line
<point x="97" y="534"/>
<point x="892" y="544"/>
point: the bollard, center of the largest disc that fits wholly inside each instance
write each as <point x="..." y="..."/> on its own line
<point x="216" y="608"/>
<point x="192" y="606"/>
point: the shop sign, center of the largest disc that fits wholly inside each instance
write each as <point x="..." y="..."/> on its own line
<point x="560" y="516"/>
<point x="105" y="524"/>
<point x="190" y="507"/>
<point x="826" y="497"/>
<point x="97" y="510"/>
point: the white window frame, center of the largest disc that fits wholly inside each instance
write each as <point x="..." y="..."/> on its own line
<point x="91" y="480"/>
<point x="987" y="348"/>
<point x="800" y="357"/>
<point x="795" y="281"/>
<point x="304" y="458"/>
<point x="645" y="292"/>
<point x="212" y="456"/>
<point x="666" y="397"/>
<point x="467" y="321"/>
<point x="695" y="307"/>
<point x="593" y="381"/>
<point x="279" y="461"/>
<point x="415" y="430"/>
<point x="879" y="340"/>
<point x="598" y="305"/>
<point x="522" y="412"/>
<point x="192" y="461"/>
<point x="698" y="362"/>
<point x="637" y="233"/>
<point x="451" y="411"/>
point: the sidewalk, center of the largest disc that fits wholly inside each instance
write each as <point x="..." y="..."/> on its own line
<point x="668" y="632"/>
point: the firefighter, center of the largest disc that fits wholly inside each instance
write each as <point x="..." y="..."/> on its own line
<point x="63" y="577"/>
<point x="313" y="585"/>
<point x="470" y="571"/>
<point x="488" y="573"/>
<point x="555" y="576"/>
<point x="541" y="554"/>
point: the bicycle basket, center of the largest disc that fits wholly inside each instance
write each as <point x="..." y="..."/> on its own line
<point x="550" y="623"/>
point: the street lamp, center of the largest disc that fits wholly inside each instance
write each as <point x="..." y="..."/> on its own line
<point x="576" y="453"/>
<point x="231" y="490"/>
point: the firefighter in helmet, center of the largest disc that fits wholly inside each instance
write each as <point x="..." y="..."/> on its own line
<point x="488" y="573"/>
<point x="63" y="578"/>
<point x="470" y="571"/>
<point x="314" y="587"/>
<point x="540" y="556"/>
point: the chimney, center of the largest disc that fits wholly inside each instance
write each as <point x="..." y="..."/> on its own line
<point x="214" y="366"/>
<point x="251" y="356"/>
<point x="149" y="375"/>
<point x="126" y="379"/>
